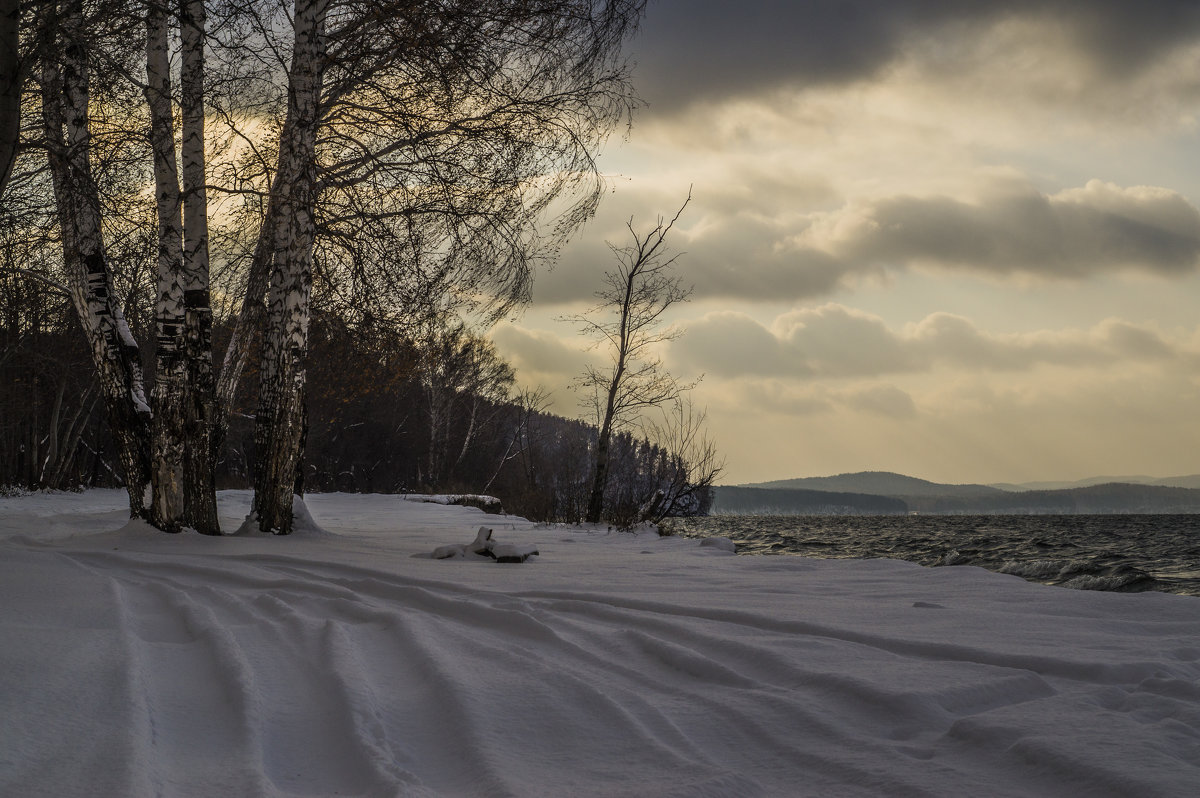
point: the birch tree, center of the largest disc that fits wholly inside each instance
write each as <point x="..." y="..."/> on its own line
<point x="170" y="377"/>
<point x="74" y="47"/>
<point x="279" y="420"/>
<point x="468" y="122"/>
<point x="199" y="465"/>
<point x="627" y="322"/>
<point x="182" y="474"/>
<point x="65" y="94"/>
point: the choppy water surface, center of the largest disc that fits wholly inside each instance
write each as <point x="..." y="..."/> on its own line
<point x="1127" y="553"/>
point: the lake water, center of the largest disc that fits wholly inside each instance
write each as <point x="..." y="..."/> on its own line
<point x="1128" y="553"/>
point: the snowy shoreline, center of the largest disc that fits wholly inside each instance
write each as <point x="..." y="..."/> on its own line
<point x="610" y="664"/>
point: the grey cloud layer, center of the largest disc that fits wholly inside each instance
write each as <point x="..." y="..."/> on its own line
<point x="1098" y="228"/>
<point x="708" y="49"/>
<point x="834" y="341"/>
<point x="1073" y="234"/>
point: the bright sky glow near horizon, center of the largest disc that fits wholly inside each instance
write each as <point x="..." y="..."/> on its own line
<point x="959" y="241"/>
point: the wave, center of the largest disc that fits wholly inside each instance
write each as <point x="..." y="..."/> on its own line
<point x="1035" y="569"/>
<point x="1111" y="553"/>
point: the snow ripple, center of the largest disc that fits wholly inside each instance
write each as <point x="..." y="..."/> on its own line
<point x="175" y="673"/>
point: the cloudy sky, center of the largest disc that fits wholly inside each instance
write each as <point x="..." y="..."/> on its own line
<point x="959" y="240"/>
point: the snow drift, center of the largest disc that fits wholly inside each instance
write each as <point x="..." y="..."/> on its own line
<point x="136" y="663"/>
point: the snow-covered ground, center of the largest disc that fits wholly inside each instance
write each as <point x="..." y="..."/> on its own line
<point x="347" y="662"/>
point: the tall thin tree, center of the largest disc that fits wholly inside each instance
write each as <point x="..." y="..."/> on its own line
<point x="169" y="441"/>
<point x="65" y="92"/>
<point x="279" y="420"/>
<point x="627" y="321"/>
<point x="200" y="506"/>
<point x="511" y="100"/>
<point x="182" y="473"/>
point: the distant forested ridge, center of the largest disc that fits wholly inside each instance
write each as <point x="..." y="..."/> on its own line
<point x="772" y="501"/>
<point x="862" y="492"/>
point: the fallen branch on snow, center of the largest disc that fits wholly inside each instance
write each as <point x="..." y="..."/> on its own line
<point x="485" y="546"/>
<point x="489" y="504"/>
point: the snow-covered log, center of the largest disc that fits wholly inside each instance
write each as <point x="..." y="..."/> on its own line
<point x="489" y="504"/>
<point x="485" y="545"/>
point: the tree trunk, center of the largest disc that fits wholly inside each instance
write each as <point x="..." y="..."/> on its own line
<point x="51" y="458"/>
<point x="250" y="321"/>
<point x="11" y="75"/>
<point x="169" y="437"/>
<point x="603" y="442"/>
<point x="114" y="350"/>
<point x="200" y="497"/>
<point x="72" y="438"/>
<point x="600" y="477"/>
<point x="182" y="470"/>
<point x="279" y="420"/>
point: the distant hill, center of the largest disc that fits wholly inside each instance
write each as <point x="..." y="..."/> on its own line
<point x="873" y="492"/>
<point x="878" y="483"/>
<point x="784" y="501"/>
<point x="1117" y="497"/>
<point x="1189" y="481"/>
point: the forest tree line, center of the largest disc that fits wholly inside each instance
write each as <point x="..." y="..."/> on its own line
<point x="217" y="192"/>
<point x="386" y="415"/>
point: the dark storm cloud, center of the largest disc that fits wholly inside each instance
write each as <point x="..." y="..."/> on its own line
<point x="1098" y="228"/>
<point x="710" y="49"/>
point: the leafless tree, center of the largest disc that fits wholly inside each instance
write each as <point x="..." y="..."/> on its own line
<point x="69" y="39"/>
<point x="466" y="123"/>
<point x="11" y="79"/>
<point x="461" y="133"/>
<point x="529" y="403"/>
<point x="93" y="134"/>
<point x="627" y="322"/>
<point x="692" y="463"/>
<point x="182" y="475"/>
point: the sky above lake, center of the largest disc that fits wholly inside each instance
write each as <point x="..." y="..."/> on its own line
<point x="956" y="240"/>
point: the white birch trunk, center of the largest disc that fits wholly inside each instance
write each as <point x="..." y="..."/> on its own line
<point x="468" y="436"/>
<point x="170" y="375"/>
<point x="114" y="351"/>
<point x="437" y="439"/>
<point x="279" y="421"/>
<point x="182" y="473"/>
<point x="251" y="318"/>
<point x="200" y="504"/>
